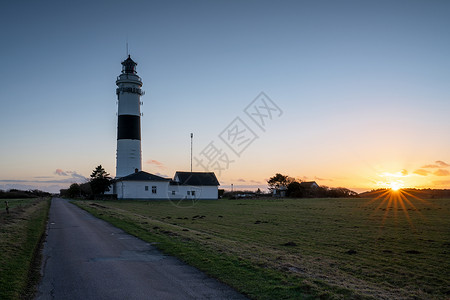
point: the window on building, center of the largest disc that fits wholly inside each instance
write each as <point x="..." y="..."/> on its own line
<point x="193" y="193"/>
<point x="146" y="187"/>
<point x="173" y="193"/>
<point x="154" y="189"/>
<point x="189" y="193"/>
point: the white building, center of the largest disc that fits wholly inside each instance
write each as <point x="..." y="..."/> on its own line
<point x="185" y="185"/>
<point x="133" y="183"/>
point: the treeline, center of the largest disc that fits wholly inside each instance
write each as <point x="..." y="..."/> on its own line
<point x="94" y="189"/>
<point x="18" y="194"/>
<point x="286" y="186"/>
<point x="296" y="190"/>
<point x="76" y="190"/>
<point x="433" y="193"/>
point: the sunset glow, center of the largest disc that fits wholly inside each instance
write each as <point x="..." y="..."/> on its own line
<point x="395" y="186"/>
<point x="349" y="103"/>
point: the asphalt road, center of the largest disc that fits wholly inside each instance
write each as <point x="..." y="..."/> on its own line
<point x="87" y="258"/>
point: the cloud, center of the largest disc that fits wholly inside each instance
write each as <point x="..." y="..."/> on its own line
<point x="60" y="172"/>
<point x="402" y="173"/>
<point x="68" y="177"/>
<point x="322" y="179"/>
<point x="241" y="180"/>
<point x="256" y="181"/>
<point x="442" y="172"/>
<point x="442" y="164"/>
<point x="14" y="180"/>
<point x="66" y="180"/>
<point x="429" y="166"/>
<point x="437" y="164"/>
<point x="76" y="175"/>
<point x="155" y="163"/>
<point x="421" y="172"/>
<point x="72" y="174"/>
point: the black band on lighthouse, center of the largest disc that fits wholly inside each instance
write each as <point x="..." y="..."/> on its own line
<point x="129" y="127"/>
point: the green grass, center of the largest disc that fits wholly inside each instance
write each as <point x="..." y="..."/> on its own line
<point x="20" y="235"/>
<point x="300" y="248"/>
<point x="15" y="203"/>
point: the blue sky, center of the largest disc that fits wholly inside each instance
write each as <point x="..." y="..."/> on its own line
<point x="362" y="85"/>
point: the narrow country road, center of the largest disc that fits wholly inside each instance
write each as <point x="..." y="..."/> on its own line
<point x="87" y="258"/>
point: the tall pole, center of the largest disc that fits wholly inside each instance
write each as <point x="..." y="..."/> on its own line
<point x="192" y="136"/>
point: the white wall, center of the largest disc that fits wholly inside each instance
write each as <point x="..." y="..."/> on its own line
<point x="201" y="192"/>
<point x="136" y="190"/>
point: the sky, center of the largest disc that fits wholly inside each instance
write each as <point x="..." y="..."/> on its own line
<point x="349" y="94"/>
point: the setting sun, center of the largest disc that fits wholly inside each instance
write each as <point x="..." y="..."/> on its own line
<point x="395" y="186"/>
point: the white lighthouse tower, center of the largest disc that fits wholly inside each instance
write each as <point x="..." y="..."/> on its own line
<point x="129" y="157"/>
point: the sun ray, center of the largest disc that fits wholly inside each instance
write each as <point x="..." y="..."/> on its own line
<point x="378" y="197"/>
<point x="395" y="205"/>
<point x="408" y="218"/>
<point x="396" y="201"/>
<point x="418" y="198"/>
<point x="386" y="212"/>
<point x="383" y="201"/>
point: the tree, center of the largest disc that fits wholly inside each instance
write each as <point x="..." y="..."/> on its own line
<point x="73" y="191"/>
<point x="295" y="190"/>
<point x="86" y="190"/>
<point x="100" y="181"/>
<point x="278" y="181"/>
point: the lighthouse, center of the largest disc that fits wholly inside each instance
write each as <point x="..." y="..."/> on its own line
<point x="128" y="156"/>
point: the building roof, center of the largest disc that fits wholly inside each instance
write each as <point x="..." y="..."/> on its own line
<point x="196" y="178"/>
<point x="142" y="176"/>
<point x="309" y="184"/>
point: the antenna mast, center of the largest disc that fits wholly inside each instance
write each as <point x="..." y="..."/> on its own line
<point x="192" y="137"/>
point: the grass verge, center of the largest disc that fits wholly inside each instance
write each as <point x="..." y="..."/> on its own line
<point x="21" y="235"/>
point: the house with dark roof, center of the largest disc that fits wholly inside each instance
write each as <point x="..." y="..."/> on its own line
<point x="184" y="185"/>
<point x="309" y="185"/>
<point x="195" y="185"/>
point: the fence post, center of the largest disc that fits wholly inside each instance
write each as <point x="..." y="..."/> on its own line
<point x="7" y="207"/>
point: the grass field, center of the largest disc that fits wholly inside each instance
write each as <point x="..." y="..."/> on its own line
<point x="16" y="203"/>
<point x="20" y="234"/>
<point x="302" y="248"/>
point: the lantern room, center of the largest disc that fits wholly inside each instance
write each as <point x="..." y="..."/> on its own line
<point x="129" y="66"/>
